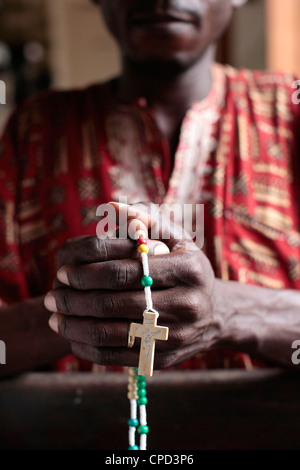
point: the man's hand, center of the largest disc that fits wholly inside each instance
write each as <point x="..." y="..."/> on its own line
<point x="30" y="344"/>
<point x="99" y="294"/>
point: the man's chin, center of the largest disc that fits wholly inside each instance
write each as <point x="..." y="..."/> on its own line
<point x="167" y="64"/>
<point x="156" y="65"/>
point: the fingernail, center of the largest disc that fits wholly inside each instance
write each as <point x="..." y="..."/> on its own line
<point x="62" y="276"/>
<point x="53" y="323"/>
<point x="161" y="250"/>
<point x="50" y="303"/>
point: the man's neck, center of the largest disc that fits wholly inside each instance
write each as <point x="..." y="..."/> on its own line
<point x="166" y="87"/>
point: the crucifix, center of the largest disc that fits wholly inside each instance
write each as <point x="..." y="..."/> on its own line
<point x="149" y="332"/>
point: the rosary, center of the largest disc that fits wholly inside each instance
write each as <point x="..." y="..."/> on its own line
<point x="149" y="332"/>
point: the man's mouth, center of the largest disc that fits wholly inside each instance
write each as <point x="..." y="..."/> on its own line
<point x="159" y="18"/>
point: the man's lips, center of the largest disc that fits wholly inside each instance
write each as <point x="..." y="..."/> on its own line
<point x="150" y="18"/>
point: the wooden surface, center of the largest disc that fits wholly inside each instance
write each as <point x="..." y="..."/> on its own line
<point x="186" y="411"/>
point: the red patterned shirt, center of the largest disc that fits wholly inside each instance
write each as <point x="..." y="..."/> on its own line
<point x="65" y="152"/>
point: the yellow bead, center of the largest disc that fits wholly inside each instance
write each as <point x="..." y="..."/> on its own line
<point x="143" y="249"/>
<point x="132" y="396"/>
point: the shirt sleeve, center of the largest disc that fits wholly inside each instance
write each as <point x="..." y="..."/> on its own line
<point x="13" y="286"/>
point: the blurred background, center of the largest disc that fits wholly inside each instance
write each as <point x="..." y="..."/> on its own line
<point x="64" y="43"/>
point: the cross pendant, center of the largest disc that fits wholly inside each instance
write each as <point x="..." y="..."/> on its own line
<point x="149" y="332"/>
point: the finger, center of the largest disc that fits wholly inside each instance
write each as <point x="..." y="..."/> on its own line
<point x="84" y="250"/>
<point x="159" y="225"/>
<point x="171" y="304"/>
<point x="167" y="271"/>
<point x="156" y="248"/>
<point x="123" y="357"/>
<point x="93" y="250"/>
<point x="130" y="357"/>
<point x="92" y="331"/>
<point x="103" y="333"/>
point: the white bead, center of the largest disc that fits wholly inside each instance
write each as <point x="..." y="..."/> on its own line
<point x="143" y="415"/>
<point x="139" y="234"/>
<point x="145" y="264"/>
<point x="143" y="442"/>
<point x="133" y="409"/>
<point x="131" y="436"/>
<point x="148" y="297"/>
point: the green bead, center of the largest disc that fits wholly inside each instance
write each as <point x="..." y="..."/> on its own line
<point x="133" y="448"/>
<point x="141" y="384"/>
<point x="133" y="423"/>
<point x="140" y="377"/>
<point x="147" y="281"/>
<point x="142" y="392"/>
<point x="143" y="429"/>
<point x="142" y="401"/>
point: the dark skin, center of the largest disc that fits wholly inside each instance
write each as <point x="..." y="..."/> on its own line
<point x="168" y="63"/>
<point x="30" y="343"/>
<point x="165" y="60"/>
<point x="202" y="313"/>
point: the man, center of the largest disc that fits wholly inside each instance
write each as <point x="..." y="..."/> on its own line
<point x="174" y="127"/>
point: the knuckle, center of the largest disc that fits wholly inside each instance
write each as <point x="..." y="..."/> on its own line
<point x="193" y="271"/>
<point x="102" y="249"/>
<point x="63" y="328"/>
<point x="75" y="277"/>
<point x="64" y="302"/>
<point x="192" y="306"/>
<point x="179" y="337"/>
<point x="98" y="338"/>
<point x="111" y="274"/>
<point x="122" y="275"/>
<point x="107" y="356"/>
<point x="104" y="336"/>
<point x="105" y="304"/>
